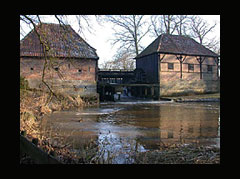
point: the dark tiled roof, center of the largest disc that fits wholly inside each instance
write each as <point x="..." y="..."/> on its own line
<point x="62" y="40"/>
<point x="176" y="44"/>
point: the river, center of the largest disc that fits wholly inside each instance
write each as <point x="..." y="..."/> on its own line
<point x="122" y="127"/>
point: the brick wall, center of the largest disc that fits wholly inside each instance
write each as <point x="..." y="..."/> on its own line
<point x="71" y="76"/>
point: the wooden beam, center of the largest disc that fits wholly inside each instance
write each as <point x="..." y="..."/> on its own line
<point x="181" y="60"/>
<point x="161" y="58"/>
<point x="217" y="62"/>
<point x="159" y="65"/>
<point x="145" y="92"/>
<point x="152" y="91"/>
<point x="200" y="61"/>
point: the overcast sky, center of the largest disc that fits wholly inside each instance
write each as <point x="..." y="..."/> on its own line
<point x="99" y="38"/>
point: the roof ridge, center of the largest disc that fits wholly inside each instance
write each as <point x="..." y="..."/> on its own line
<point x="176" y="44"/>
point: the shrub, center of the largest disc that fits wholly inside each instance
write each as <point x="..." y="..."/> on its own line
<point x="23" y="83"/>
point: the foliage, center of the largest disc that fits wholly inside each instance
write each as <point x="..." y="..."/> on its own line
<point x="23" y="83"/>
<point x="129" y="32"/>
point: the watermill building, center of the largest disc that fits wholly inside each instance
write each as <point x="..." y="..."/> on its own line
<point x="180" y="65"/>
<point x="68" y="62"/>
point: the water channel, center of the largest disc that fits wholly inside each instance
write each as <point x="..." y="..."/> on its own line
<point x="139" y="126"/>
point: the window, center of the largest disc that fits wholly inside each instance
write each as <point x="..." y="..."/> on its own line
<point x="209" y="68"/>
<point x="79" y="70"/>
<point x="170" y="134"/>
<point x="56" y="68"/>
<point x="170" y="66"/>
<point x="31" y="69"/>
<point x="190" y="67"/>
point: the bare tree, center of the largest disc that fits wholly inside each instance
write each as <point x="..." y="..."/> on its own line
<point x="167" y="24"/>
<point x="84" y="21"/>
<point x="157" y="25"/>
<point x="107" y="65"/>
<point x="129" y="32"/>
<point x="124" y="60"/>
<point x="121" y="60"/>
<point x="200" y="28"/>
<point x="182" y="24"/>
<point x="213" y="44"/>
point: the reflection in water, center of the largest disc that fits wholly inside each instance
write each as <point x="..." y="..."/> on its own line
<point x="144" y="126"/>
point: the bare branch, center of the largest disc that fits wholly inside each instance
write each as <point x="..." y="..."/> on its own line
<point x="129" y="32"/>
<point x="200" y="28"/>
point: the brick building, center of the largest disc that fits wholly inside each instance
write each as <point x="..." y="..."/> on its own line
<point x="179" y="65"/>
<point x="71" y="63"/>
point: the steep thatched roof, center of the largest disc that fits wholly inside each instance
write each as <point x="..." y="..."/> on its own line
<point x="61" y="41"/>
<point x="176" y="44"/>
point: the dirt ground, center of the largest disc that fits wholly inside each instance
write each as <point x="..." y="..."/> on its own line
<point x="185" y="154"/>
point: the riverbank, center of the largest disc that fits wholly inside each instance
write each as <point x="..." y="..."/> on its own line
<point x="34" y="106"/>
<point x="213" y="97"/>
<point x="180" y="154"/>
<point x="176" y="154"/>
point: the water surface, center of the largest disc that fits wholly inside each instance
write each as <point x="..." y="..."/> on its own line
<point x="138" y="126"/>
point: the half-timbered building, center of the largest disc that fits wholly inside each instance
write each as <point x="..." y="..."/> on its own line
<point x="180" y="65"/>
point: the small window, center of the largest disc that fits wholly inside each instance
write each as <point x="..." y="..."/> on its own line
<point x="190" y="67"/>
<point x="56" y="68"/>
<point x="170" y="66"/>
<point x="89" y="69"/>
<point x="170" y="134"/>
<point x="209" y="68"/>
<point x="79" y="70"/>
<point x="32" y="69"/>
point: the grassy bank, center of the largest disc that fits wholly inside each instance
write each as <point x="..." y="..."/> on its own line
<point x="195" y="98"/>
<point x="34" y="105"/>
